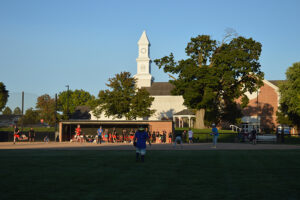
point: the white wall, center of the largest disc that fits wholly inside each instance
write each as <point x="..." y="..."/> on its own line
<point x="165" y="106"/>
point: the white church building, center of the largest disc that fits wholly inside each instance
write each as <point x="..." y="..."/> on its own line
<point x="165" y="104"/>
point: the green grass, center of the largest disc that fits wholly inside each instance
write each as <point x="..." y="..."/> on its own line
<point x="203" y="135"/>
<point x="42" y="174"/>
<point x="204" y="131"/>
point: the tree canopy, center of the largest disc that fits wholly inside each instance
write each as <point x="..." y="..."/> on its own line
<point x="46" y="108"/>
<point x="31" y="116"/>
<point x="3" y="96"/>
<point x="215" y="74"/>
<point x="7" y="111"/>
<point x="69" y="100"/>
<point x="124" y="99"/>
<point x="17" y="111"/>
<point x="290" y="96"/>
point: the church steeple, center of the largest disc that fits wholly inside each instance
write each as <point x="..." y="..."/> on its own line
<point x="143" y="75"/>
<point x="144" y="39"/>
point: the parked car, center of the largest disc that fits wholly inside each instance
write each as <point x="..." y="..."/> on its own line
<point x="285" y="128"/>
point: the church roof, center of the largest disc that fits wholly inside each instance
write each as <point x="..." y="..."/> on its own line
<point x="186" y="112"/>
<point x="160" y="88"/>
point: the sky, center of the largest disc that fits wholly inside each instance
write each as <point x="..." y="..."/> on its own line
<point x="48" y="44"/>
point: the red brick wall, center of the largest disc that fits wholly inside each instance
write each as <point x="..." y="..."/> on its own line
<point x="161" y="126"/>
<point x="267" y="107"/>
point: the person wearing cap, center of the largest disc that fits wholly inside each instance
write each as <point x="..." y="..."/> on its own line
<point x="215" y="135"/>
<point x="140" y="137"/>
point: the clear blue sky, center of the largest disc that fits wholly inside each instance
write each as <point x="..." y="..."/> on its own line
<point x="45" y="45"/>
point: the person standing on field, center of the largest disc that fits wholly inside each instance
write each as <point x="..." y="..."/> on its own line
<point x="31" y="135"/>
<point x="99" y="133"/>
<point x="140" y="139"/>
<point x="215" y="134"/>
<point x="190" y="136"/>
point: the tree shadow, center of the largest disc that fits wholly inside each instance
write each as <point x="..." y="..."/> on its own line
<point x="265" y="111"/>
<point x="166" y="115"/>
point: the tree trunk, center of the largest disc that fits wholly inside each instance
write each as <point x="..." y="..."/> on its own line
<point x="200" y="119"/>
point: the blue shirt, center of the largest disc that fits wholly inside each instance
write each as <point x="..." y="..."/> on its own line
<point x="215" y="131"/>
<point x="141" y="137"/>
<point x="99" y="131"/>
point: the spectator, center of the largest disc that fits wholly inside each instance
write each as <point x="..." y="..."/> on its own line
<point x="153" y="137"/>
<point x="170" y="137"/>
<point x="164" y="137"/>
<point x="190" y="132"/>
<point x="99" y="133"/>
<point x="253" y="135"/>
<point x="46" y="139"/>
<point x="124" y="135"/>
<point x="31" y="135"/>
<point x="158" y="138"/>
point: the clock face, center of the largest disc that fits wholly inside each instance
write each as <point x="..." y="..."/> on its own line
<point x="143" y="50"/>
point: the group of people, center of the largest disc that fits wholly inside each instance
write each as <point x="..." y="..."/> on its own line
<point x="250" y="136"/>
<point x="104" y="135"/>
<point x="18" y="136"/>
<point x="180" y="135"/>
<point x="21" y="137"/>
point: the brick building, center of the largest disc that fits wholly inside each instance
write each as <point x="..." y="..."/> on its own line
<point x="262" y="108"/>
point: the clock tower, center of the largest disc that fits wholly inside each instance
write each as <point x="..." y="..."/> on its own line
<point x="143" y="76"/>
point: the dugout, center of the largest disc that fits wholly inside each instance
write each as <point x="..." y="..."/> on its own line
<point x="89" y="127"/>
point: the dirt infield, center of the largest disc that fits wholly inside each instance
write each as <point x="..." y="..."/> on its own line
<point x="121" y="146"/>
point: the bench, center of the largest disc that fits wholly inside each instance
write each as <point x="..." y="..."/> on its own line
<point x="266" y="138"/>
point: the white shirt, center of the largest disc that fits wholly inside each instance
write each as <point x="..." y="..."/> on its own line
<point x="190" y="133"/>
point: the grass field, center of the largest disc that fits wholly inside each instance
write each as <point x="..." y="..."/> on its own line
<point x="46" y="174"/>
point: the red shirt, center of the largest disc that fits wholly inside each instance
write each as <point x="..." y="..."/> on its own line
<point x="78" y="131"/>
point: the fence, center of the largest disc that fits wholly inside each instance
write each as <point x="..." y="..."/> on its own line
<point x="7" y="136"/>
<point x="235" y="138"/>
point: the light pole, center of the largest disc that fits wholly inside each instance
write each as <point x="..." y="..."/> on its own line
<point x="67" y="101"/>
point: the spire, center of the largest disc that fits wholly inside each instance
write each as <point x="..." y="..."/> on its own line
<point x="144" y="39"/>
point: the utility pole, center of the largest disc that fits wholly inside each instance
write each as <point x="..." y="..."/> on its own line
<point x="55" y="117"/>
<point x="257" y="127"/>
<point x="22" y="111"/>
<point x="67" y="100"/>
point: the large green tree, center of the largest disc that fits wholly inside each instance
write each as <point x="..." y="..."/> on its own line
<point x="3" y="96"/>
<point x="7" y="111"/>
<point x="215" y="74"/>
<point x="290" y="96"/>
<point x="69" y="100"/>
<point x="124" y="99"/>
<point x="46" y="107"/>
